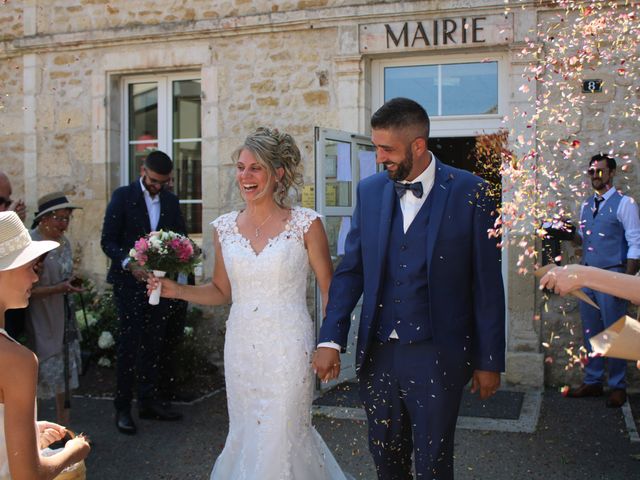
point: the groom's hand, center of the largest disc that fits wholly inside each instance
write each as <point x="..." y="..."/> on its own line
<point x="326" y="363"/>
<point x="485" y="382"/>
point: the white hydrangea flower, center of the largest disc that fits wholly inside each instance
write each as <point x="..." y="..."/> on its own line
<point x="104" y="362"/>
<point x="188" y="331"/>
<point x="106" y="340"/>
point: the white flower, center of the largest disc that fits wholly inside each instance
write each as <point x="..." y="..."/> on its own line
<point x="80" y="319"/>
<point x="104" y="362"/>
<point x="188" y="331"/>
<point x="106" y="340"/>
<point x="132" y="253"/>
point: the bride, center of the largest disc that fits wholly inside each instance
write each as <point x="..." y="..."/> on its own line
<point x="262" y="259"/>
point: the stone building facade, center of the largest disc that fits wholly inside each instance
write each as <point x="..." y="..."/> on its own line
<point x="73" y="76"/>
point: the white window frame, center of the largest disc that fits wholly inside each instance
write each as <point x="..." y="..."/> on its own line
<point x="165" y="118"/>
<point x="450" y="125"/>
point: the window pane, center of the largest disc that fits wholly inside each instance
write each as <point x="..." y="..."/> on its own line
<point x="419" y="83"/>
<point x="187" y="169"/>
<point x="337" y="229"/>
<point x="143" y="124"/>
<point x="470" y="89"/>
<point x="338" y="174"/>
<point x="186" y="109"/>
<point x="192" y="213"/>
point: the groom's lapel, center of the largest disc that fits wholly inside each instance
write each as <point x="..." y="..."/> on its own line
<point x="387" y="204"/>
<point x="439" y="193"/>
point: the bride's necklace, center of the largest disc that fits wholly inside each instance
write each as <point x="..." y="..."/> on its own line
<point x="261" y="225"/>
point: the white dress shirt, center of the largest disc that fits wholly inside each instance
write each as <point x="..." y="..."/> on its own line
<point x="153" y="209"/>
<point x="410" y="206"/>
<point x="628" y="216"/>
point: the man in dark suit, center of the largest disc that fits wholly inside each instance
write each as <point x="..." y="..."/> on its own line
<point x="433" y="307"/>
<point x="135" y="210"/>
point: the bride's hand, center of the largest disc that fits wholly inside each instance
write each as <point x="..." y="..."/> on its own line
<point x="170" y="289"/>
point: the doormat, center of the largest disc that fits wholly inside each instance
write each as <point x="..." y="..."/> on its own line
<point x="504" y="404"/>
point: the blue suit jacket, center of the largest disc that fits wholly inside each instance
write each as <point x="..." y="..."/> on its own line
<point x="127" y="219"/>
<point x="466" y="295"/>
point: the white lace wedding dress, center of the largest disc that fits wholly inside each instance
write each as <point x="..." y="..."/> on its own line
<point x="267" y="359"/>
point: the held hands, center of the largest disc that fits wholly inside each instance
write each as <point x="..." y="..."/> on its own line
<point x="170" y="289"/>
<point x="326" y="363"/>
<point x="486" y="383"/>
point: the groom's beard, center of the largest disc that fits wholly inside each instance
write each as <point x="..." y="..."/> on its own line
<point x="403" y="168"/>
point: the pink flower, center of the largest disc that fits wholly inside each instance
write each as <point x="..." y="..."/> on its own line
<point x="141" y="245"/>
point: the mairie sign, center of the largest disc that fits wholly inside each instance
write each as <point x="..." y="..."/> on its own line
<point x="435" y="33"/>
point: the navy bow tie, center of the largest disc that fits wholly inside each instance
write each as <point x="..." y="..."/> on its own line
<point x="401" y="188"/>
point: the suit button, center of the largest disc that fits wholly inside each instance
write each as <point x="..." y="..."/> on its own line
<point x="398" y="283"/>
<point x="403" y="247"/>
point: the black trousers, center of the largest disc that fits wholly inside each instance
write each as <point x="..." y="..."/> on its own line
<point x="140" y="342"/>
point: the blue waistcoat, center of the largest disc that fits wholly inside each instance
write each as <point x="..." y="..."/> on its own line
<point x="405" y="290"/>
<point x="603" y="241"/>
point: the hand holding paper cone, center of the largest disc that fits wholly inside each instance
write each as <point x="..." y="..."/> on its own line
<point x="563" y="280"/>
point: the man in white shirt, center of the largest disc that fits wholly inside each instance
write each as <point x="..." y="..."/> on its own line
<point x="433" y="301"/>
<point x="610" y="236"/>
<point x="134" y="211"/>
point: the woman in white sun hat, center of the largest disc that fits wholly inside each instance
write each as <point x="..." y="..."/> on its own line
<point x="21" y="437"/>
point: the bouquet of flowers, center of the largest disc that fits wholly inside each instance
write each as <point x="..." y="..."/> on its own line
<point x="165" y="253"/>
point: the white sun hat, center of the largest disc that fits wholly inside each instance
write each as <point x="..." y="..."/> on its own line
<point x="16" y="246"/>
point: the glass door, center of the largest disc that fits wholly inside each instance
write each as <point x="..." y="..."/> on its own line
<point x="342" y="160"/>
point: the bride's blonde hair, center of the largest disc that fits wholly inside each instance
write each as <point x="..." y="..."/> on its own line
<point x="274" y="150"/>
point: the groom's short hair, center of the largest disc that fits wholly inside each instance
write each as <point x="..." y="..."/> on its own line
<point x="401" y="113"/>
<point x="159" y="162"/>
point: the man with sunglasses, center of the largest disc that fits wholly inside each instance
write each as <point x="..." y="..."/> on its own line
<point x="610" y="236"/>
<point x="135" y="210"/>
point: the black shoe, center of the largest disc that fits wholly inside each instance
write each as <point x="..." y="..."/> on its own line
<point x="617" y="398"/>
<point x="125" y="423"/>
<point x="158" y="412"/>
<point x="586" y="390"/>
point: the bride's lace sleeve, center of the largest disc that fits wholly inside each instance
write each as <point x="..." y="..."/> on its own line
<point x="302" y="219"/>
<point x="225" y="225"/>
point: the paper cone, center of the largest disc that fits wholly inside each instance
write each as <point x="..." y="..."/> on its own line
<point x="154" y="298"/>
<point x="539" y="273"/>
<point x="620" y="340"/>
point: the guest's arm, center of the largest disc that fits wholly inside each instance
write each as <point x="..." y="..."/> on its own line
<point x="566" y="279"/>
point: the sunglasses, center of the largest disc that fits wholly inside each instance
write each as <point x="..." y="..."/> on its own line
<point x="595" y="172"/>
<point x="5" y="201"/>
<point x="155" y="181"/>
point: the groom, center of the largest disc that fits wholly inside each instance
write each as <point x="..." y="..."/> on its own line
<point x="433" y="310"/>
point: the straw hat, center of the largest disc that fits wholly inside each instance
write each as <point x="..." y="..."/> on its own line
<point x="16" y="246"/>
<point x="53" y="201"/>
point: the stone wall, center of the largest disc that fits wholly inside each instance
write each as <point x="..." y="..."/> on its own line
<point x="599" y="122"/>
<point x="292" y="65"/>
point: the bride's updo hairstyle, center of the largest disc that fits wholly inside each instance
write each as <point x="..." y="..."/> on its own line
<point x="274" y="150"/>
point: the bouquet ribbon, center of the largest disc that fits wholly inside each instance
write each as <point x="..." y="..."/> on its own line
<point x="154" y="298"/>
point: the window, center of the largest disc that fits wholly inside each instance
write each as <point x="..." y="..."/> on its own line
<point x="164" y="112"/>
<point x="464" y="95"/>
<point x="449" y="89"/>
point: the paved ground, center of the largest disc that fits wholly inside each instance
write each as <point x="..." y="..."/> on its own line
<point x="574" y="439"/>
